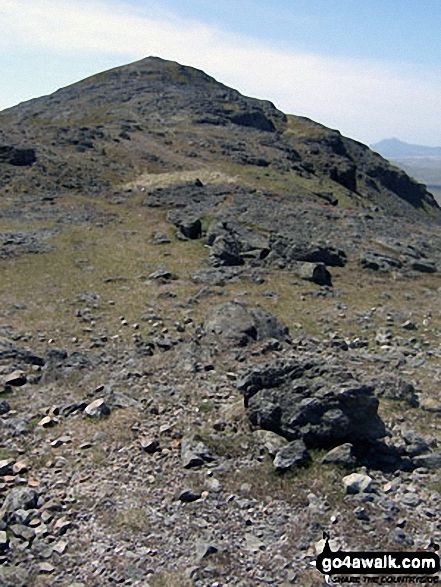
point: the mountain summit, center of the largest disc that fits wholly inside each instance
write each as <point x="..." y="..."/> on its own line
<point x="155" y="116"/>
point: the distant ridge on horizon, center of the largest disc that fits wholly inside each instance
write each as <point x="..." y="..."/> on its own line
<point x="396" y="149"/>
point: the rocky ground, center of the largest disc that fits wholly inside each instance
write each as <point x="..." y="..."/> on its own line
<point x="200" y="371"/>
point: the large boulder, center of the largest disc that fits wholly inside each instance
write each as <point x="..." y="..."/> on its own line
<point x="315" y="272"/>
<point x="291" y="250"/>
<point x="225" y="251"/>
<point x="306" y="401"/>
<point x="235" y="324"/>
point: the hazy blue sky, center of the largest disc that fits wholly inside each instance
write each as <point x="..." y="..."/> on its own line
<point x="370" y="68"/>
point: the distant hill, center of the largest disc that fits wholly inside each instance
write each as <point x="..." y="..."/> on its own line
<point x="395" y="149"/>
<point x="420" y="162"/>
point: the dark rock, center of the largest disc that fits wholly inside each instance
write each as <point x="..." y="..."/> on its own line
<point x="188" y="225"/>
<point x="150" y="445"/>
<point x="4" y="407"/>
<point x="370" y="259"/>
<point x="191" y="228"/>
<point x="17" y="156"/>
<point x="396" y="389"/>
<point x="4" y="542"/>
<point x="295" y="454"/>
<point x="235" y="324"/>
<point x="6" y="467"/>
<point x="11" y="353"/>
<point x="188" y="496"/>
<point x="225" y="251"/>
<point x="286" y="248"/>
<point x="254" y="119"/>
<point x="424" y="266"/>
<point x="290" y="399"/>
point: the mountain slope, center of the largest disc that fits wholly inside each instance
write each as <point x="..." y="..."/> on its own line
<point x="155" y="116"/>
<point x="211" y="313"/>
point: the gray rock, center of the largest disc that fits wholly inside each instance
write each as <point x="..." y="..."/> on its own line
<point x="235" y="324"/>
<point x="205" y="548"/>
<point x="23" y="532"/>
<point x="162" y="275"/>
<point x="295" y="454"/>
<point x="370" y="259"/>
<point x="97" y="409"/>
<point x="316" y="273"/>
<point x="159" y="238"/>
<point x="357" y="483"/>
<point x="429" y="461"/>
<point x="271" y="441"/>
<point x="20" y="498"/>
<point x="194" y="452"/>
<point x="14" y="576"/>
<point x="340" y="455"/>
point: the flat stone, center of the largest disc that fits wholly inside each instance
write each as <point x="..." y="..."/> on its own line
<point x="271" y="441"/>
